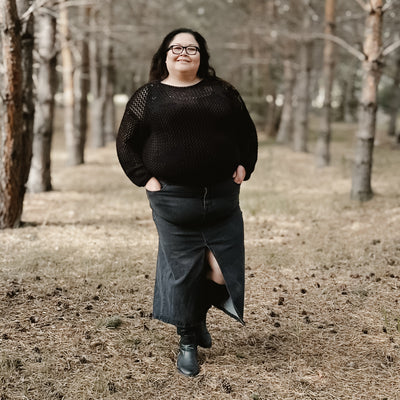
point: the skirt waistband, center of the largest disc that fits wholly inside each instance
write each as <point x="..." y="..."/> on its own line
<point x="224" y="188"/>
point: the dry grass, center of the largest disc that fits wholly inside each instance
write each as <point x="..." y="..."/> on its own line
<point x="322" y="312"/>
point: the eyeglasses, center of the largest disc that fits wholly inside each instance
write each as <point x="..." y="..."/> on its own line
<point x="190" y="50"/>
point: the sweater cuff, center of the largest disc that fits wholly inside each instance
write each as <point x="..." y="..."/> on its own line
<point x="138" y="176"/>
<point x="143" y="180"/>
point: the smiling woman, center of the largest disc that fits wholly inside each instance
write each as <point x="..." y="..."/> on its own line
<point x="183" y="61"/>
<point x="189" y="139"/>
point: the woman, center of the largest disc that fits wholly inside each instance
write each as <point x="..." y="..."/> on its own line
<point x="188" y="138"/>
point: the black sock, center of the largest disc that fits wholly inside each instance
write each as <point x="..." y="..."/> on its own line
<point x="187" y="334"/>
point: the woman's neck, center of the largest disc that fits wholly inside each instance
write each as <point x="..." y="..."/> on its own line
<point x="181" y="80"/>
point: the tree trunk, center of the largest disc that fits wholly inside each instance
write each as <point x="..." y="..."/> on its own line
<point x="96" y="107"/>
<point x="396" y="99"/>
<point x="256" y="69"/>
<point x="303" y="90"/>
<point x="106" y="71"/>
<point x="82" y="84"/>
<point x="352" y="102"/>
<point x="13" y="142"/>
<point x="348" y="102"/>
<point x="40" y="172"/>
<point x="284" y="135"/>
<point x="324" y="138"/>
<point x="272" y="114"/>
<point x="1" y="94"/>
<point x="372" y="68"/>
<point x="72" y="138"/>
<point x="341" y="108"/>
<point x="28" y="108"/>
<point x="109" y="116"/>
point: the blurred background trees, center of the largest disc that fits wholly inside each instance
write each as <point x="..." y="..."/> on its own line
<point x="288" y="59"/>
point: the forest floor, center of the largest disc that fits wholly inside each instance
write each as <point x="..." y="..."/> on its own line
<point x="322" y="288"/>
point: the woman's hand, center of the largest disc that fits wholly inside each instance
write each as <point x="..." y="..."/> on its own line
<point x="153" y="185"/>
<point x="239" y="174"/>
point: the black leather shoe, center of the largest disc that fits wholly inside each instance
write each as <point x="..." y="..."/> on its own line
<point x="187" y="359"/>
<point x="203" y="337"/>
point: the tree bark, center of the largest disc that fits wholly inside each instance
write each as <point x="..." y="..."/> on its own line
<point x="28" y="108"/>
<point x="40" y="172"/>
<point x="324" y="138"/>
<point x="300" y="137"/>
<point x="284" y="135"/>
<point x="73" y="140"/>
<point x="396" y="100"/>
<point x="109" y="116"/>
<point x="372" y="68"/>
<point x="13" y="160"/>
<point x="273" y="115"/>
<point x="348" y="102"/>
<point x="97" y="105"/>
<point x="82" y="85"/>
<point x="352" y="101"/>
<point x="106" y="89"/>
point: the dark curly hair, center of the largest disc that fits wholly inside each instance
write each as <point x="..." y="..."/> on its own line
<point x="158" y="69"/>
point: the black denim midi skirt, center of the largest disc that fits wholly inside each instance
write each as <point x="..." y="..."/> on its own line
<point x="189" y="221"/>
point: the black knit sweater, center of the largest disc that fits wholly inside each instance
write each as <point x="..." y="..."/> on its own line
<point x="193" y="135"/>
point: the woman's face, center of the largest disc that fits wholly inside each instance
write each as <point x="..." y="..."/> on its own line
<point x="183" y="63"/>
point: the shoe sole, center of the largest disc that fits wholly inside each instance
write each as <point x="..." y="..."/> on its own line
<point x="188" y="375"/>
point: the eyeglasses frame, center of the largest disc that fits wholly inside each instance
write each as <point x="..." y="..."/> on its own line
<point x="183" y="49"/>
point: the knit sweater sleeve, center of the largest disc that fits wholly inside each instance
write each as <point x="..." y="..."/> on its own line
<point x="246" y="134"/>
<point x="131" y="137"/>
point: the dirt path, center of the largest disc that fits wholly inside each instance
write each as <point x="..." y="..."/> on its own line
<point x="322" y="294"/>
